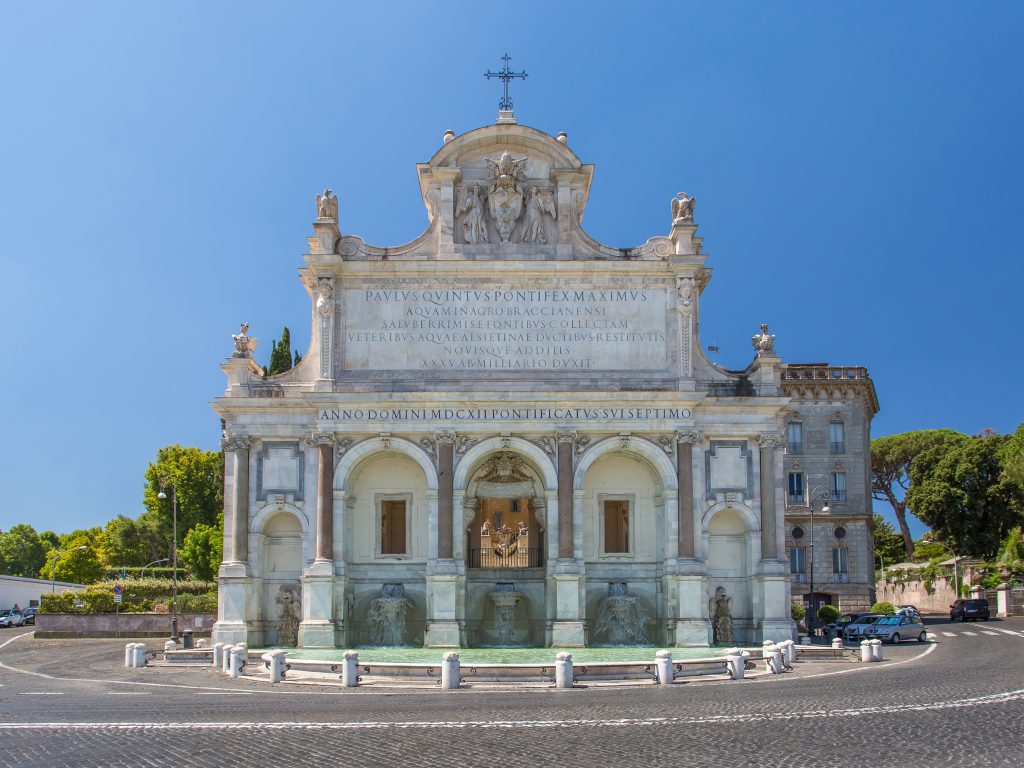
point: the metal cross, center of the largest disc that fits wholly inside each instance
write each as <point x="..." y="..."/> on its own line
<point x="505" y="74"/>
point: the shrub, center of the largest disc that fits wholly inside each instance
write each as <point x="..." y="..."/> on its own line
<point x="884" y="607"/>
<point x="797" y="611"/>
<point x="828" y="613"/>
<point x="149" y="594"/>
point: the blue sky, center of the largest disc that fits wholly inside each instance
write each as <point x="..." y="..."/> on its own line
<point x="857" y="167"/>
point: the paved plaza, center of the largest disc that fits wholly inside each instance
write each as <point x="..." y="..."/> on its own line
<point x="955" y="701"/>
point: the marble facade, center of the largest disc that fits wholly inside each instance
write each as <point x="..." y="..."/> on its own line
<point x="505" y="386"/>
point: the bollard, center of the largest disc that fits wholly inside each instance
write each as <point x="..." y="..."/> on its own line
<point x="170" y="645"/>
<point x="238" y="653"/>
<point x="129" y="654"/>
<point x="140" y="655"/>
<point x="837" y="643"/>
<point x="736" y="667"/>
<point x="450" y="671"/>
<point x="876" y="649"/>
<point x="349" y="670"/>
<point x="773" y="658"/>
<point x="275" y="663"/>
<point x="225" y="659"/>
<point x="563" y="670"/>
<point x="218" y="655"/>
<point x="865" y="651"/>
<point x="790" y="647"/>
<point x="200" y="643"/>
<point x="663" y="666"/>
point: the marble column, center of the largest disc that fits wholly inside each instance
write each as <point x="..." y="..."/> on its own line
<point x="325" y="497"/>
<point x="238" y="446"/>
<point x="769" y="532"/>
<point x="445" y="493"/>
<point x="565" y="496"/>
<point x="684" y="475"/>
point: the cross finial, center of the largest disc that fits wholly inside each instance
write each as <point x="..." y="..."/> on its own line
<point x="505" y="74"/>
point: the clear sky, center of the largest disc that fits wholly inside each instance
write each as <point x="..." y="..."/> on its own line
<point x="857" y="169"/>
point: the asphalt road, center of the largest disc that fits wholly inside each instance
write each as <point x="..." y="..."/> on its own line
<point x="71" y="703"/>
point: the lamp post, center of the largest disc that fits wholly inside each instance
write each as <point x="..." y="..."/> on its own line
<point x="174" y="562"/>
<point x="956" y="577"/>
<point x="819" y="492"/>
<point x="142" y="574"/>
<point x="53" y="565"/>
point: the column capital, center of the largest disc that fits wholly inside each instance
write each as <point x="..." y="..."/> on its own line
<point x="235" y="442"/>
<point x="321" y="438"/>
<point x="769" y="440"/>
<point x="444" y="437"/>
<point x="689" y="436"/>
<point x="565" y="435"/>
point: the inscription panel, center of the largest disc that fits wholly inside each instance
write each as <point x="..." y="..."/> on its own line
<point x="505" y="329"/>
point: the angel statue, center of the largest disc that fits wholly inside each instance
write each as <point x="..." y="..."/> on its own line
<point x="474" y="227"/>
<point x="243" y="344"/>
<point x="764" y="342"/>
<point x="327" y="206"/>
<point x="682" y="207"/>
<point x="538" y="202"/>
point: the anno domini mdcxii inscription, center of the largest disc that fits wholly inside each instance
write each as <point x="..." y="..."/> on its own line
<point x="505" y="329"/>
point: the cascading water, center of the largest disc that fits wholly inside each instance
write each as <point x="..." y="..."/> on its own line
<point x="387" y="616"/>
<point x="620" y="618"/>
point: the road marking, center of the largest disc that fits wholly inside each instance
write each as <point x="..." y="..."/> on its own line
<point x="931" y="635"/>
<point x="41" y="693"/>
<point x="1008" y="632"/>
<point x="225" y="693"/>
<point x="988" y="632"/>
<point x="949" y="634"/>
<point x="127" y="693"/>
<point x="972" y="634"/>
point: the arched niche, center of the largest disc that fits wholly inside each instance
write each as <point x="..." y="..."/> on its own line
<point x="732" y="542"/>
<point x="650" y="453"/>
<point x="280" y="540"/>
<point x="376" y="445"/>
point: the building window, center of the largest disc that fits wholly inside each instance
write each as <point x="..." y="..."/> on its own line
<point x="798" y="561"/>
<point x="837" y="437"/>
<point x="393" y="512"/>
<point x="796" y="488"/>
<point x="839" y="532"/>
<point x="840" y="565"/>
<point x="839" y="487"/>
<point x="615" y="524"/>
<point x="794" y="437"/>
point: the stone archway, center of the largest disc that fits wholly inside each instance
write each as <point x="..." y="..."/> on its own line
<point x="280" y="588"/>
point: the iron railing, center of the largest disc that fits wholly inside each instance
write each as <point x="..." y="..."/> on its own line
<point x="488" y="557"/>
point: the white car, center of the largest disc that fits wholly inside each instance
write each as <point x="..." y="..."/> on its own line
<point x="854" y="631"/>
<point x="892" y="629"/>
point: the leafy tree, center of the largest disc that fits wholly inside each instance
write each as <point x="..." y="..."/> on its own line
<point x="1011" y="554"/>
<point x="280" y="354"/>
<point x="203" y="551"/>
<point x="133" y="543"/>
<point x="198" y="476"/>
<point x="298" y="358"/>
<point x="884" y="607"/>
<point x="80" y="563"/>
<point x="930" y="550"/>
<point x="888" y="543"/>
<point x="891" y="459"/>
<point x="961" y="491"/>
<point x="21" y="551"/>
<point x="49" y="539"/>
<point x="797" y="611"/>
<point x="828" y="614"/>
<point x="1012" y="457"/>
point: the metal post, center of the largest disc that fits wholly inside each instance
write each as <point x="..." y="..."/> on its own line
<point x="174" y="574"/>
<point x="810" y="565"/>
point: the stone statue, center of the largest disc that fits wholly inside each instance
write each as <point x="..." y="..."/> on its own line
<point x="682" y="208"/>
<point x="243" y="344"/>
<point x="538" y="202"/>
<point x="474" y="227"/>
<point x="325" y="301"/>
<point x="721" y="616"/>
<point x="327" y="206"/>
<point x="505" y="195"/>
<point x="764" y="342"/>
<point x="684" y="293"/>
<point x="288" y="606"/>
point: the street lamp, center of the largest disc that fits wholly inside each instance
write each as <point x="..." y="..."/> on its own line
<point x="142" y="574"/>
<point x="53" y="565"/>
<point x="174" y="563"/>
<point x="823" y="493"/>
<point x="956" y="578"/>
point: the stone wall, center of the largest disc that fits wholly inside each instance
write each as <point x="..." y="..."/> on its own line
<point x="55" y="625"/>
<point x="937" y="600"/>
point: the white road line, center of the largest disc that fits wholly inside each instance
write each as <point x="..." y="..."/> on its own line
<point x="41" y="693"/>
<point x="989" y="632"/>
<point x="971" y="634"/>
<point x="1008" y="632"/>
<point x="127" y="693"/>
<point x="931" y="635"/>
<point x="949" y="634"/>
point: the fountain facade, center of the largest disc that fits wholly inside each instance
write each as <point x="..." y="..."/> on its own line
<point x="620" y="618"/>
<point x="387" y="616"/>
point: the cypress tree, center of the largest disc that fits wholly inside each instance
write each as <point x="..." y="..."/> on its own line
<point x="281" y="354"/>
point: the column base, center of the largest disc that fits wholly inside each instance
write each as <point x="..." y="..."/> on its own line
<point x="568" y="634"/>
<point x="230" y="632"/>
<point x="776" y="631"/>
<point x="316" y="634"/>
<point x="692" y="633"/>
<point x="442" y="634"/>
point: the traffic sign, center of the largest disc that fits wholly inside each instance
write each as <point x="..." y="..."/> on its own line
<point x="117" y="597"/>
<point x="118" y="589"/>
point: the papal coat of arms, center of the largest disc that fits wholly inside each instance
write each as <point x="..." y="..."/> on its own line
<point x="505" y="195"/>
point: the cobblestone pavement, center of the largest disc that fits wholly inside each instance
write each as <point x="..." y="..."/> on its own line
<point x="70" y="703"/>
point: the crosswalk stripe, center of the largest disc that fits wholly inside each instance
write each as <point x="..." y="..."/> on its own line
<point x="949" y="634"/>
<point x="972" y="634"/>
<point x="931" y="635"/>
<point x="989" y="632"/>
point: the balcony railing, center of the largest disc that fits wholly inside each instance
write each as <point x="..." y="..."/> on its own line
<point x="521" y="558"/>
<point x="837" y="447"/>
<point x="795" y="498"/>
<point x="839" y="497"/>
<point x="840" y="578"/>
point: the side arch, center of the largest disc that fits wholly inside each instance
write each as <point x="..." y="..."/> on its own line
<point x="540" y="460"/>
<point x="355" y="456"/>
<point x="654" y="456"/>
<point x="259" y="520"/>
<point x="749" y="518"/>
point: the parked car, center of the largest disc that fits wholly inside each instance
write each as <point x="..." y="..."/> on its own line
<point x="971" y="609"/>
<point x="892" y="629"/>
<point x="854" y="629"/>
<point x="11" y="618"/>
<point x="30" y="615"/>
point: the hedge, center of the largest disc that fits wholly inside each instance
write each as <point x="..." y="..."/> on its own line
<point x="138" y="596"/>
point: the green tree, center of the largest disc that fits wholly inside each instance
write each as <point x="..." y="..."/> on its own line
<point x="1011" y="554"/>
<point x="891" y="459"/>
<point x="79" y="563"/>
<point x="280" y="354"/>
<point x="21" y="551"/>
<point x="197" y="475"/>
<point x="888" y="543"/>
<point x="202" y="551"/>
<point x="1012" y="457"/>
<point x="961" y="491"/>
<point x="49" y="539"/>
<point x="298" y="358"/>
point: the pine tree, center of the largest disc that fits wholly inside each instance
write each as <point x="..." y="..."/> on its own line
<point x="281" y="354"/>
<point x="298" y="358"/>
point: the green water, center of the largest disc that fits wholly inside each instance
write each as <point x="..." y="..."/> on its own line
<point x="501" y="655"/>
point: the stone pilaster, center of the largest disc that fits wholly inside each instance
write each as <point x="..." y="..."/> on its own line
<point x="233" y="604"/>
<point x="238" y="446"/>
<point x="769" y="443"/>
<point x="445" y="493"/>
<point x="325" y="304"/>
<point x="317" y="629"/>
<point x="565" y="506"/>
<point x="685" y="441"/>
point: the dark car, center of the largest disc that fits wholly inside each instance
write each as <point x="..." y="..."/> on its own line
<point x="969" y="610"/>
<point x="30" y="615"/>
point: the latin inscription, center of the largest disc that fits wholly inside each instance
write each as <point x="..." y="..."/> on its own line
<point x="468" y="330"/>
<point x="503" y="414"/>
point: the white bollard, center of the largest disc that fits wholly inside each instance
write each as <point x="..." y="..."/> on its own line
<point x="170" y="645"/>
<point x="140" y="655"/>
<point x="563" y="670"/>
<point x="238" y="654"/>
<point x="773" y="658"/>
<point x="736" y="666"/>
<point x="837" y="643"/>
<point x="225" y="659"/>
<point x="200" y="643"/>
<point x="451" y="671"/>
<point x="866" y="653"/>
<point x="129" y="654"/>
<point x="790" y="651"/>
<point x="350" y="669"/>
<point x="275" y="661"/>
<point x="663" y="665"/>
<point x="218" y="655"/>
<point x="876" y="650"/>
